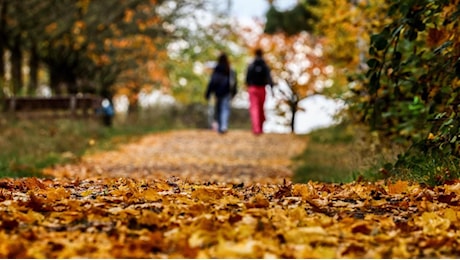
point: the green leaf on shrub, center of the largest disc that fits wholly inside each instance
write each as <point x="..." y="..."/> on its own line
<point x="411" y="34"/>
<point x="379" y="41"/>
<point x="374" y="83"/>
<point x="373" y="63"/>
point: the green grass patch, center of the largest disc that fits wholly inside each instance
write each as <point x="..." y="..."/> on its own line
<point x="29" y="145"/>
<point x="429" y="167"/>
<point x="342" y="153"/>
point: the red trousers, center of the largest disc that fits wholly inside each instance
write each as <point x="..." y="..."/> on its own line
<point x="256" y="108"/>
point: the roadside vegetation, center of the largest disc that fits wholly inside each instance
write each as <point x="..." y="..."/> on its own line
<point x="343" y="153"/>
<point x="29" y="145"/>
<point x="346" y="152"/>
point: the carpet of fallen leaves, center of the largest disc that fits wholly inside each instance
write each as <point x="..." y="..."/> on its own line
<point x="194" y="194"/>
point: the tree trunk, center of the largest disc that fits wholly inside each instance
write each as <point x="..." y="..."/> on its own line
<point x="2" y="42"/>
<point x="293" y="114"/>
<point x="2" y="66"/>
<point x="33" y="64"/>
<point x="16" y="66"/>
<point x="62" y="80"/>
<point x="293" y="103"/>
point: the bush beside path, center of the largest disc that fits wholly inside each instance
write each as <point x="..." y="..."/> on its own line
<point x="195" y="194"/>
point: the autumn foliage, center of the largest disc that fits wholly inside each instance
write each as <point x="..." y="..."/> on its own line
<point x="86" y="46"/>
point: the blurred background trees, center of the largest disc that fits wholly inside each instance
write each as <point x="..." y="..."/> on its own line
<point x="297" y="63"/>
<point x="300" y="18"/>
<point x="88" y="46"/>
<point x="396" y="64"/>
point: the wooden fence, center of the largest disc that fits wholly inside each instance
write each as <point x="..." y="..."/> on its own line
<point x="74" y="106"/>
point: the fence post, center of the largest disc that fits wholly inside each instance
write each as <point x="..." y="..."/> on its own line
<point x="12" y="104"/>
<point x="73" y="105"/>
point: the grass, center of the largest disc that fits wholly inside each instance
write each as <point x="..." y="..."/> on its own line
<point x="341" y="154"/>
<point x="31" y="145"/>
<point x="346" y="153"/>
<point x="28" y="145"/>
<point x="431" y="167"/>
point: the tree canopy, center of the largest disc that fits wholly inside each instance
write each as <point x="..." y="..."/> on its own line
<point x="293" y="21"/>
<point x="88" y="45"/>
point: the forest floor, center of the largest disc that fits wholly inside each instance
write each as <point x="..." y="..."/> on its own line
<point x="197" y="194"/>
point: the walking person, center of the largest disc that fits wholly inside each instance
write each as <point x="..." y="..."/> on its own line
<point x="223" y="85"/>
<point x="257" y="78"/>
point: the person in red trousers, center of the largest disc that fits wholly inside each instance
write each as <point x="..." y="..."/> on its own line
<point x="257" y="78"/>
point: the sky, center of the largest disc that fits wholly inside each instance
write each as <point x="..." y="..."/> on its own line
<point x="255" y="8"/>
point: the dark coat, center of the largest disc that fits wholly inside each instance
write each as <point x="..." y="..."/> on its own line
<point x="258" y="73"/>
<point x="222" y="83"/>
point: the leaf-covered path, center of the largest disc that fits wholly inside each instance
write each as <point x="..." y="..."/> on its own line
<point x="198" y="156"/>
<point x="194" y="194"/>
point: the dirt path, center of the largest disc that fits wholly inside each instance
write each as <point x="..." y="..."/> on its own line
<point x="199" y="156"/>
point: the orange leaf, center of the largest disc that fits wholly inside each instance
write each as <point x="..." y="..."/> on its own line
<point x="398" y="187"/>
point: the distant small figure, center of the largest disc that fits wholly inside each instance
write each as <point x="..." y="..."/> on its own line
<point x="257" y="78"/>
<point x="223" y="85"/>
<point x="107" y="112"/>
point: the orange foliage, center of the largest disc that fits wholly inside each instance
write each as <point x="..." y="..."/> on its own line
<point x="141" y="52"/>
<point x="51" y="28"/>
<point x="148" y="72"/>
<point x="297" y="60"/>
<point x="128" y="16"/>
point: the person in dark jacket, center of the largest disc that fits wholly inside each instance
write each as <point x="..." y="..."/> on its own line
<point x="257" y="78"/>
<point x="223" y="85"/>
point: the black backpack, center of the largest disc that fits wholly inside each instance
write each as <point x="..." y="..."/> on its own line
<point x="258" y="73"/>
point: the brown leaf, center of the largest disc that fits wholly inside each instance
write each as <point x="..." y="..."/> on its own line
<point x="398" y="187"/>
<point x="258" y="201"/>
<point x="361" y="227"/>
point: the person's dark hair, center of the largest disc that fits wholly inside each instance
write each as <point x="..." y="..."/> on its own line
<point x="259" y="52"/>
<point x="223" y="62"/>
